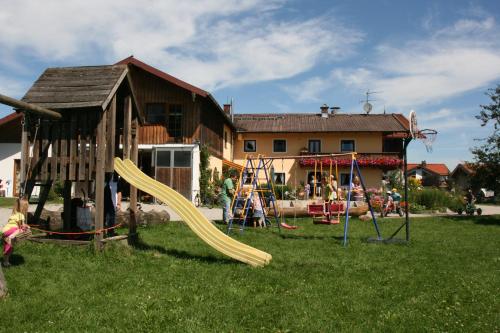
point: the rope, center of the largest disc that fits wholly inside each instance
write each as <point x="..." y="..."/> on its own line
<point x="33" y="226"/>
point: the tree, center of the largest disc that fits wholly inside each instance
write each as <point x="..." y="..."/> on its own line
<point x="487" y="156"/>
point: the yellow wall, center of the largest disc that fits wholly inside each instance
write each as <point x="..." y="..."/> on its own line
<point x="227" y="147"/>
<point x="215" y="163"/>
<point x="330" y="143"/>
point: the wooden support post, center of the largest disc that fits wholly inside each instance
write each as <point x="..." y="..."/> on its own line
<point x="3" y="284"/>
<point x="44" y="194"/>
<point x="25" y="155"/>
<point x="127" y="127"/>
<point x="67" y="205"/>
<point x="99" y="179"/>
<point x="134" y="153"/>
<point x="110" y="135"/>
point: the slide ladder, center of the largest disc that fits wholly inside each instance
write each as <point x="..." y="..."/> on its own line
<point x="195" y="220"/>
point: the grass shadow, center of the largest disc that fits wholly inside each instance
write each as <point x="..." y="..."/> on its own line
<point x="483" y="220"/>
<point x="142" y="246"/>
<point x="16" y="260"/>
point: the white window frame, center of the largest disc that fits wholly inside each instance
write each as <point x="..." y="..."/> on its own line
<point x="244" y="146"/>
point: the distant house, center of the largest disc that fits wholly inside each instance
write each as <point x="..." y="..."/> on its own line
<point x="461" y="176"/>
<point x="10" y="153"/>
<point x="431" y="174"/>
<point x="377" y="138"/>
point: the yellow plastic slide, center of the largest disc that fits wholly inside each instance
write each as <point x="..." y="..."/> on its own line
<point x="195" y="220"/>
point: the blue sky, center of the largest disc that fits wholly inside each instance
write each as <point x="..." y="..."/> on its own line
<point x="436" y="57"/>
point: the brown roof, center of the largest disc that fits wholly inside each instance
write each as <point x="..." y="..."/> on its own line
<point x="438" y="168"/>
<point x="462" y="166"/>
<point x="75" y="87"/>
<point x="309" y="122"/>
<point x="10" y="128"/>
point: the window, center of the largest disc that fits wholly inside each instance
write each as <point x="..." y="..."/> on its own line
<point x="182" y="159"/>
<point x="279" y="146"/>
<point x="155" y="113"/>
<point x="175" y="120"/>
<point x="225" y="139"/>
<point x="347" y="146"/>
<point x="315" y="146"/>
<point x="163" y="158"/>
<point x="249" y="146"/>
<point x="279" y="178"/>
<point x="390" y="145"/>
<point x="344" y="179"/>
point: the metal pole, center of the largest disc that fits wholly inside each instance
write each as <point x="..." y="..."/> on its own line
<point x="374" y="219"/>
<point x="346" y="224"/>
<point x="405" y="170"/>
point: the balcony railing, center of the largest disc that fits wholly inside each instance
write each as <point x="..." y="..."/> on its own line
<point x="376" y="160"/>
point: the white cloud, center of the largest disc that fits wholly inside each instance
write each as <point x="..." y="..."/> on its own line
<point x="212" y="44"/>
<point x="452" y="61"/>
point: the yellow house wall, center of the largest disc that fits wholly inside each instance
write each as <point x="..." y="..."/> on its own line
<point x="330" y="143"/>
<point x="227" y="147"/>
<point x="215" y="163"/>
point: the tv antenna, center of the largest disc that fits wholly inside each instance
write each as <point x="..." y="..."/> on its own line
<point x="367" y="107"/>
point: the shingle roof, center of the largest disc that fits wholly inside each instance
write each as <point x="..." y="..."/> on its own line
<point x="308" y="122"/>
<point x="439" y="168"/>
<point x="74" y="87"/>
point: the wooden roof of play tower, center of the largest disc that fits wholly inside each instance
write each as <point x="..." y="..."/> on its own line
<point x="77" y="87"/>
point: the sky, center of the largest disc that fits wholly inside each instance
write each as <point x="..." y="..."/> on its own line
<point x="438" y="58"/>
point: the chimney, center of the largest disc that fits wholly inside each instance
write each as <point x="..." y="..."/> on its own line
<point x="324" y="111"/>
<point x="227" y="109"/>
<point x="335" y="110"/>
<point x="424" y="163"/>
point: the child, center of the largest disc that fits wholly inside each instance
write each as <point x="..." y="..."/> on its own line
<point x="258" y="213"/>
<point x="14" y="227"/>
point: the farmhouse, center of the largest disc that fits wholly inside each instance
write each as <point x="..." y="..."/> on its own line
<point x="431" y="174"/>
<point x="377" y="138"/>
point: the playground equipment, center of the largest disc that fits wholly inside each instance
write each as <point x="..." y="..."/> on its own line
<point x="74" y="122"/>
<point x="191" y="216"/>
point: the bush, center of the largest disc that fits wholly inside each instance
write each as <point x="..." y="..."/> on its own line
<point x="415" y="208"/>
<point x="430" y="198"/>
<point x="456" y="202"/>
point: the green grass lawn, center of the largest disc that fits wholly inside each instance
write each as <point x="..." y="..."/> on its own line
<point x="7" y="202"/>
<point x="447" y="279"/>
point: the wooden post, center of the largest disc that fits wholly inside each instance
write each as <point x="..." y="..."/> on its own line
<point x="134" y="152"/>
<point x="44" y="194"/>
<point x="3" y="284"/>
<point x="25" y="155"/>
<point x="99" y="178"/>
<point x="67" y="205"/>
<point x="110" y="135"/>
<point x="127" y="127"/>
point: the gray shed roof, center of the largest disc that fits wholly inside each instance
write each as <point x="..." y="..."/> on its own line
<point x="76" y="87"/>
<point x="309" y="122"/>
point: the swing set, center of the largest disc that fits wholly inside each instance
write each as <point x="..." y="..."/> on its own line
<point x="257" y="177"/>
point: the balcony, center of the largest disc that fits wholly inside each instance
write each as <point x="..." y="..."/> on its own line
<point x="385" y="161"/>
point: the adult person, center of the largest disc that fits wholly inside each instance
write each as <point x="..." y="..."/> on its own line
<point x="112" y="201"/>
<point x="227" y="195"/>
<point x="15" y="225"/>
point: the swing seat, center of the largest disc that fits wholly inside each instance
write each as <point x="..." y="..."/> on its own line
<point x="315" y="209"/>
<point x="287" y="226"/>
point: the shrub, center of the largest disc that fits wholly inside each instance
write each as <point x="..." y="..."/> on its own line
<point x="430" y="198"/>
<point x="415" y="208"/>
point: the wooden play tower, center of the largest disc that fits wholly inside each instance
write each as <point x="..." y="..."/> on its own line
<point x="76" y="120"/>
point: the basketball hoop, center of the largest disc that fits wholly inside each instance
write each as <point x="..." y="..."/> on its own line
<point x="427" y="136"/>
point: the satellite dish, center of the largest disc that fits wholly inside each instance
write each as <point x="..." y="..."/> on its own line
<point x="367" y="107"/>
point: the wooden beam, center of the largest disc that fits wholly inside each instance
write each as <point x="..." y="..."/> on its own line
<point x="67" y="205"/>
<point x="25" y="155"/>
<point x="99" y="179"/>
<point x="43" y="112"/>
<point x="134" y="154"/>
<point x="3" y="284"/>
<point x="127" y="127"/>
<point x="110" y="135"/>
